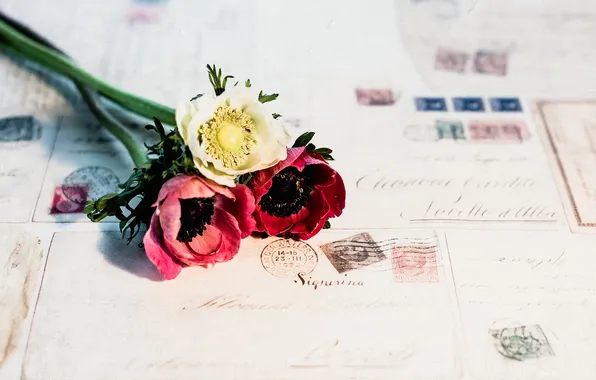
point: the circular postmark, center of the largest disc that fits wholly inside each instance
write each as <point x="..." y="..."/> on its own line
<point x="99" y="181"/>
<point x="286" y="258"/>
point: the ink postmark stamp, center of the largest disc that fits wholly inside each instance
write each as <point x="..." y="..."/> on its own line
<point x="521" y="342"/>
<point x="354" y="252"/>
<point x="287" y="258"/>
<point x="415" y="263"/>
<point x="99" y="181"/>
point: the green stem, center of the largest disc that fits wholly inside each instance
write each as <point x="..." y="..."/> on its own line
<point x="136" y="150"/>
<point x="52" y="60"/>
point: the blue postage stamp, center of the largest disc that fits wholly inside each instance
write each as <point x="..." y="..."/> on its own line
<point x="431" y="104"/>
<point x="505" y="104"/>
<point x="468" y="104"/>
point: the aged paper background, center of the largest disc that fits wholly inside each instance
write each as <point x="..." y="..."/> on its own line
<point x="505" y="195"/>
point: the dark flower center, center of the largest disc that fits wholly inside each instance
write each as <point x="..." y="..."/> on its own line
<point x="195" y="215"/>
<point x="290" y="191"/>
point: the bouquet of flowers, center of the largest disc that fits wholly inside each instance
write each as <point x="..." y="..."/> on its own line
<point x="224" y="173"/>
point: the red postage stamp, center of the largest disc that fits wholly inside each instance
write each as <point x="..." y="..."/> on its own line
<point x="415" y="263"/>
<point x="491" y="62"/>
<point x="375" y="97"/>
<point x="64" y="204"/>
<point x="451" y="60"/>
<point x="504" y="131"/>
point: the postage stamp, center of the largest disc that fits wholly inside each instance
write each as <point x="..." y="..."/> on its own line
<point x="521" y="342"/>
<point x="354" y="252"/>
<point x="415" y="263"/>
<point x="431" y="104"/>
<point x="99" y="181"/>
<point x="504" y="131"/>
<point x="286" y="258"/>
<point x="451" y="60"/>
<point x="505" y="104"/>
<point x="63" y="205"/>
<point x="468" y="104"/>
<point x="450" y="129"/>
<point x="375" y="97"/>
<point x="19" y="129"/>
<point x="490" y="62"/>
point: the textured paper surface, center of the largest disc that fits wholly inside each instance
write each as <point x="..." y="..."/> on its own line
<point x="503" y="192"/>
<point x="232" y="321"/>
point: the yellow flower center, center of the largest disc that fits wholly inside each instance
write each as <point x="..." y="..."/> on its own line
<point x="229" y="136"/>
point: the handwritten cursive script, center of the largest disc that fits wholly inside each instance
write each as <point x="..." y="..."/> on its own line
<point x="302" y="280"/>
<point x="237" y="302"/>
<point x="335" y="353"/>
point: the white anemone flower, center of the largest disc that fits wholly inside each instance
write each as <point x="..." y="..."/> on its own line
<point x="231" y="134"/>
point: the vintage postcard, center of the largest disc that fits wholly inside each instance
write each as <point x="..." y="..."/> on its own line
<point x="282" y="309"/>
<point x="86" y="164"/>
<point x="26" y="142"/>
<point x="21" y="259"/>
<point x="463" y="169"/>
<point x="569" y="129"/>
<point x="526" y="302"/>
<point x="503" y="47"/>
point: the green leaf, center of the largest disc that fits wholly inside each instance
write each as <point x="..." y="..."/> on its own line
<point x="303" y="139"/>
<point x="264" y="98"/>
<point x="247" y="83"/>
<point x="133" y="204"/>
<point x="310" y="147"/>
<point x="322" y="151"/>
<point x="236" y="84"/>
<point x="276" y="116"/>
<point x="225" y="80"/>
<point x="196" y="97"/>
<point x="215" y="77"/>
<point x="327" y="225"/>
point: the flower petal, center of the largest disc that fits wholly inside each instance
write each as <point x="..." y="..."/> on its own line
<point x="261" y="181"/>
<point x="201" y="248"/>
<point x="316" y="216"/>
<point x="335" y="196"/>
<point x="270" y="224"/>
<point x="239" y="97"/>
<point x="215" y="175"/>
<point x="169" y="219"/>
<point x="206" y="107"/>
<point x="230" y="231"/>
<point x="184" y="114"/>
<point x="184" y="186"/>
<point x="157" y="251"/>
<point x="242" y="209"/>
<point x="219" y="189"/>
